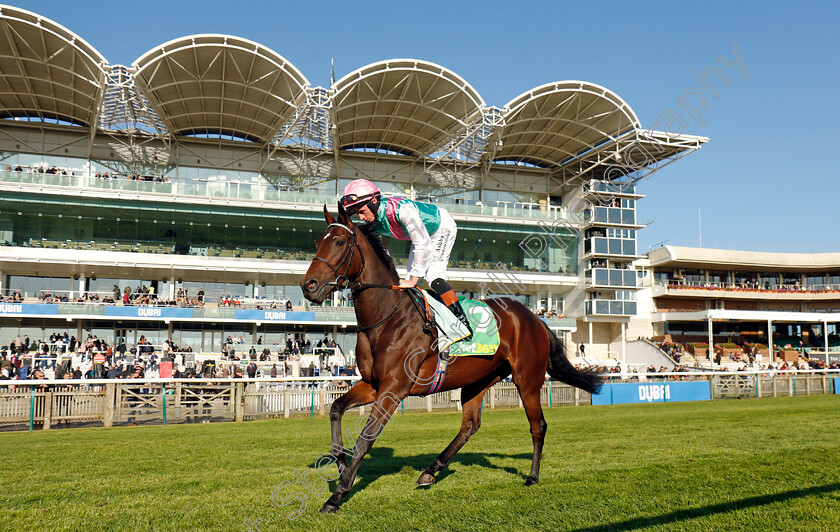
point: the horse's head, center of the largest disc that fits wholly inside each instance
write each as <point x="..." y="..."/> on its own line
<point x="338" y="258"/>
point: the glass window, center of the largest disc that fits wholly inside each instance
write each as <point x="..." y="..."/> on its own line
<point x="600" y="245"/>
<point x="601" y="276"/>
<point x="769" y="281"/>
<point x="815" y="280"/>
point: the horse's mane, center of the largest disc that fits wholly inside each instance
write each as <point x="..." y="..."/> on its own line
<point x="379" y="246"/>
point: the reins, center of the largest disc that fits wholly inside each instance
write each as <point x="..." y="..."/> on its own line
<point x="343" y="281"/>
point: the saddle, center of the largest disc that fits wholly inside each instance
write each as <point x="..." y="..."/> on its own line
<point x="451" y="332"/>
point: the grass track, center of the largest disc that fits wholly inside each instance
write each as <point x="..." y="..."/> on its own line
<point x="769" y="464"/>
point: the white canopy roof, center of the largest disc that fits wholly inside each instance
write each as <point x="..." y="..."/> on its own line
<point x="47" y="71"/>
<point x="220" y="84"/>
<point x="407" y="106"/>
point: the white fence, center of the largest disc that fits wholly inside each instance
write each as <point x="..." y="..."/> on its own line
<point x="50" y="403"/>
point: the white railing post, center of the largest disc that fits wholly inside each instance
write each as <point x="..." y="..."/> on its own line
<point x="108" y="414"/>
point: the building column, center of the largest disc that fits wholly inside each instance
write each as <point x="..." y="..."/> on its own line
<point x="770" y="352"/>
<point x="171" y="288"/>
<point x="548" y="302"/>
<point x="81" y="284"/>
<point x="256" y="289"/>
<point x="591" y="354"/>
<point x="825" y="339"/>
<point x="169" y="330"/>
<point x="624" y="347"/>
<point x="482" y="290"/>
<point x="711" y="339"/>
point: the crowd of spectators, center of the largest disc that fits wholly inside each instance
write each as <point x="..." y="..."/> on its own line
<point x="288" y="351"/>
<point x="141" y="296"/>
<point x="14" y="297"/>
<point x="750" y="285"/>
<point x="43" y="169"/>
<point x="47" y="169"/>
<point x="144" y="295"/>
<point x="22" y="358"/>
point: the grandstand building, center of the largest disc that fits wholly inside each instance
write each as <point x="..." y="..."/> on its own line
<point x="775" y="299"/>
<point x="201" y="170"/>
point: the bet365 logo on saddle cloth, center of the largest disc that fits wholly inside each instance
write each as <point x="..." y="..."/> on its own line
<point x="485" y="339"/>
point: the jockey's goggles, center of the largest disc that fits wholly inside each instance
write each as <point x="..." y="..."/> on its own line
<point x="353" y="203"/>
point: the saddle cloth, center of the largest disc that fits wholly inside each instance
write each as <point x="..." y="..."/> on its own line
<point x="451" y="332"/>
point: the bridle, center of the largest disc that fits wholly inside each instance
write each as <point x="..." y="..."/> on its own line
<point x="348" y="258"/>
<point x="343" y="280"/>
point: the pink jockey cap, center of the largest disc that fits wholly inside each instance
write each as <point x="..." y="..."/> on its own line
<point x="358" y="191"/>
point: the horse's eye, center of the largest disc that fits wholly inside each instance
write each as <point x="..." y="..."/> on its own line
<point x="339" y="243"/>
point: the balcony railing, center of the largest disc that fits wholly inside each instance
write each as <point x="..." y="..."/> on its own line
<point x="262" y="191"/>
<point x="612" y="216"/>
<point x="561" y="322"/>
<point x="610" y="307"/>
<point x="610" y="277"/>
<point x="609" y="246"/>
<point x="608" y="187"/>
<point x="795" y="288"/>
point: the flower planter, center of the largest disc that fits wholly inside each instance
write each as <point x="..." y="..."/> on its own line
<point x="700" y="352"/>
<point x="789" y="355"/>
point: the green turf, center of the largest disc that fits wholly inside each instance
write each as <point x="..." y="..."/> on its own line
<point x="769" y="464"/>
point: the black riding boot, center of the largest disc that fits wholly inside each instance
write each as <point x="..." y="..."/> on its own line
<point x="448" y="297"/>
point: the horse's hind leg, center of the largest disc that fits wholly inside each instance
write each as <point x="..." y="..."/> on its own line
<point x="533" y="409"/>
<point x="360" y="394"/>
<point x="471" y="396"/>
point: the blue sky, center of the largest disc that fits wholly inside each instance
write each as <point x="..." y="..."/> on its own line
<point x="765" y="181"/>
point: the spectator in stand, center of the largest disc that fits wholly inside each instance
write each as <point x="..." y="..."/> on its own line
<point x="252" y="370"/>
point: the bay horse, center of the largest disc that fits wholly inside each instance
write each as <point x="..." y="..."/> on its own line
<point x="397" y="358"/>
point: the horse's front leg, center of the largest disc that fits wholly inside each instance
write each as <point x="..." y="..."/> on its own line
<point x="360" y="394"/>
<point x="381" y="411"/>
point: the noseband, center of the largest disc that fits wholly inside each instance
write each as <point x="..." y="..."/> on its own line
<point x="348" y="258"/>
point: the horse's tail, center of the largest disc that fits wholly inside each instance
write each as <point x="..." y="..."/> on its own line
<point x="559" y="367"/>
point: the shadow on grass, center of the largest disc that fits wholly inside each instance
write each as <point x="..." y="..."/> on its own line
<point x="693" y="513"/>
<point x="380" y="461"/>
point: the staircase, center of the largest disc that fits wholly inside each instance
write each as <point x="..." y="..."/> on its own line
<point x="647" y="353"/>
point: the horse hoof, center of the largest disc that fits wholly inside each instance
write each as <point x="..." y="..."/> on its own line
<point x="531" y="481"/>
<point x="426" y="480"/>
<point x="329" y="508"/>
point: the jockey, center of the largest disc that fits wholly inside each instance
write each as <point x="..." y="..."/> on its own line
<point x="431" y="230"/>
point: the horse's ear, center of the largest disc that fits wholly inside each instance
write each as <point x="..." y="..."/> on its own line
<point x="327" y="216"/>
<point x="343" y="217"/>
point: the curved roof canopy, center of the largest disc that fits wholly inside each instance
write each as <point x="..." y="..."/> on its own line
<point x="46" y="70"/>
<point x="402" y="105"/>
<point x="558" y="121"/>
<point x="220" y="84"/>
